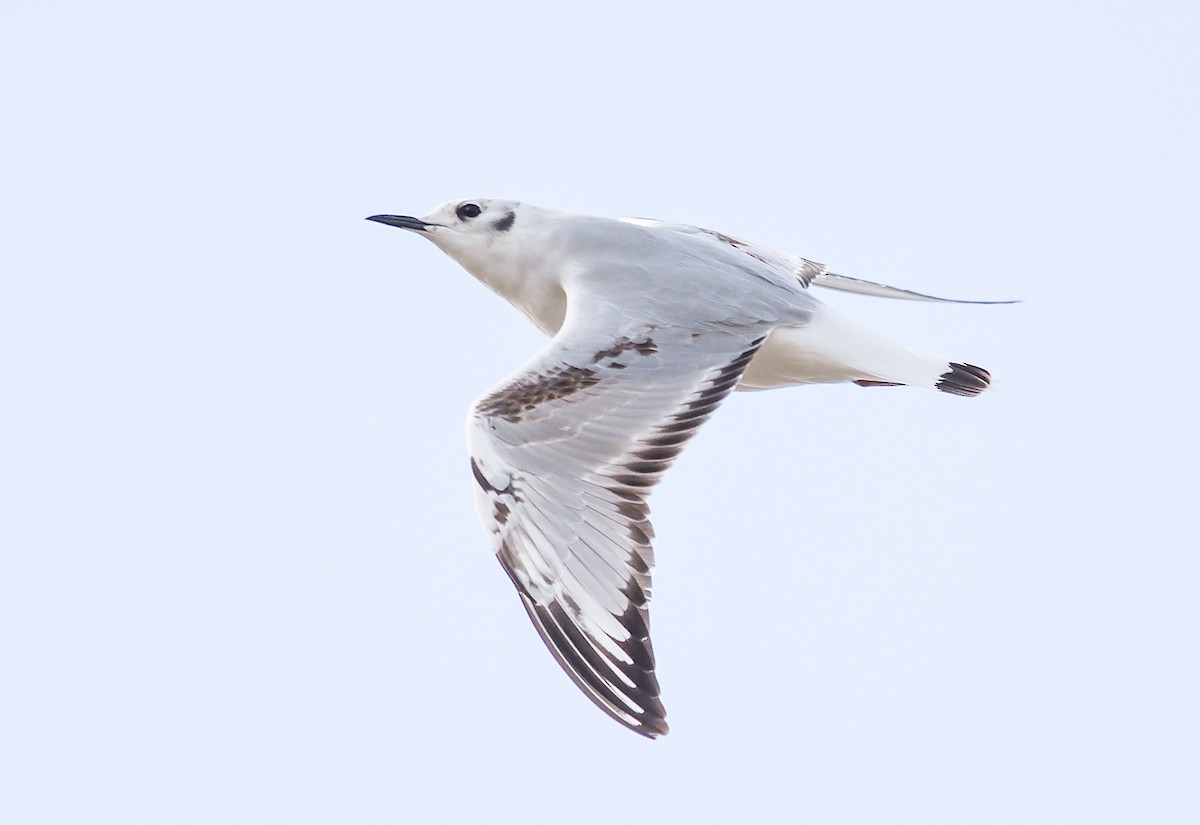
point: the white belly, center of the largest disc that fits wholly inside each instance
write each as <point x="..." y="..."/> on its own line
<point x="831" y="350"/>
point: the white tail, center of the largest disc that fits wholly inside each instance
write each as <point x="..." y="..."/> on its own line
<point x="832" y="349"/>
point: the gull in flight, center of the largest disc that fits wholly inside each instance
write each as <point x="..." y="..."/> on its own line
<point x="653" y="324"/>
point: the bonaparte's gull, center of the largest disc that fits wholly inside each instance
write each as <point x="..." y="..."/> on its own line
<point x="653" y="325"/>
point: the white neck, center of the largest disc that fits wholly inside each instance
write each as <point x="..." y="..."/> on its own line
<point x="534" y="286"/>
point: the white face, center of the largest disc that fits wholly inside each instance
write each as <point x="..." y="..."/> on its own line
<point x="470" y="223"/>
<point x="474" y="216"/>
<point x="467" y="230"/>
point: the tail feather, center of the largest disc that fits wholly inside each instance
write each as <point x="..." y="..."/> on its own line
<point x="964" y="379"/>
<point x="831" y="350"/>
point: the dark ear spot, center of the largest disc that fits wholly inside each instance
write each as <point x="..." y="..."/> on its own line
<point x="505" y="223"/>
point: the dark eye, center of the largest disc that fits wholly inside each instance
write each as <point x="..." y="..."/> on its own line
<point x="467" y="211"/>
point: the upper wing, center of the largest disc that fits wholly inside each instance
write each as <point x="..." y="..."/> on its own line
<point x="809" y="273"/>
<point x="802" y="269"/>
<point x="845" y="283"/>
<point x="564" y="454"/>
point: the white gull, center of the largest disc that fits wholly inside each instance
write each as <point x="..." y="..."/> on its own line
<point x="653" y="325"/>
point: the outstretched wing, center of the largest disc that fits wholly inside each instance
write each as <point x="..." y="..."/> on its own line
<point x="802" y="269"/>
<point x="845" y="283"/>
<point x="564" y="454"/>
<point x="809" y="273"/>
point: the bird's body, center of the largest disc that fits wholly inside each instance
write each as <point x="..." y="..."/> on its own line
<point x="652" y="325"/>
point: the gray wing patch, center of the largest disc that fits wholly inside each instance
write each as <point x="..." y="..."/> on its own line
<point x="808" y="273"/>
<point x="804" y="269"/>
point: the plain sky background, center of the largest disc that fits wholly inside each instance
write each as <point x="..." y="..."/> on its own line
<point x="241" y="576"/>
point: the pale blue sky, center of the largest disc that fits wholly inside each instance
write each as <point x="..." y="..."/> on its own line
<point x="241" y="577"/>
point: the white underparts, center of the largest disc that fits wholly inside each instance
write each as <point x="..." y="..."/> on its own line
<point x="832" y="349"/>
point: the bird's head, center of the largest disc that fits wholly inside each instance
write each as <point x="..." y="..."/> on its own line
<point x="479" y="233"/>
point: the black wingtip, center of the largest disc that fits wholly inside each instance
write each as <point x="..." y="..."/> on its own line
<point x="582" y="662"/>
<point x="654" y="728"/>
<point x="966" y="380"/>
